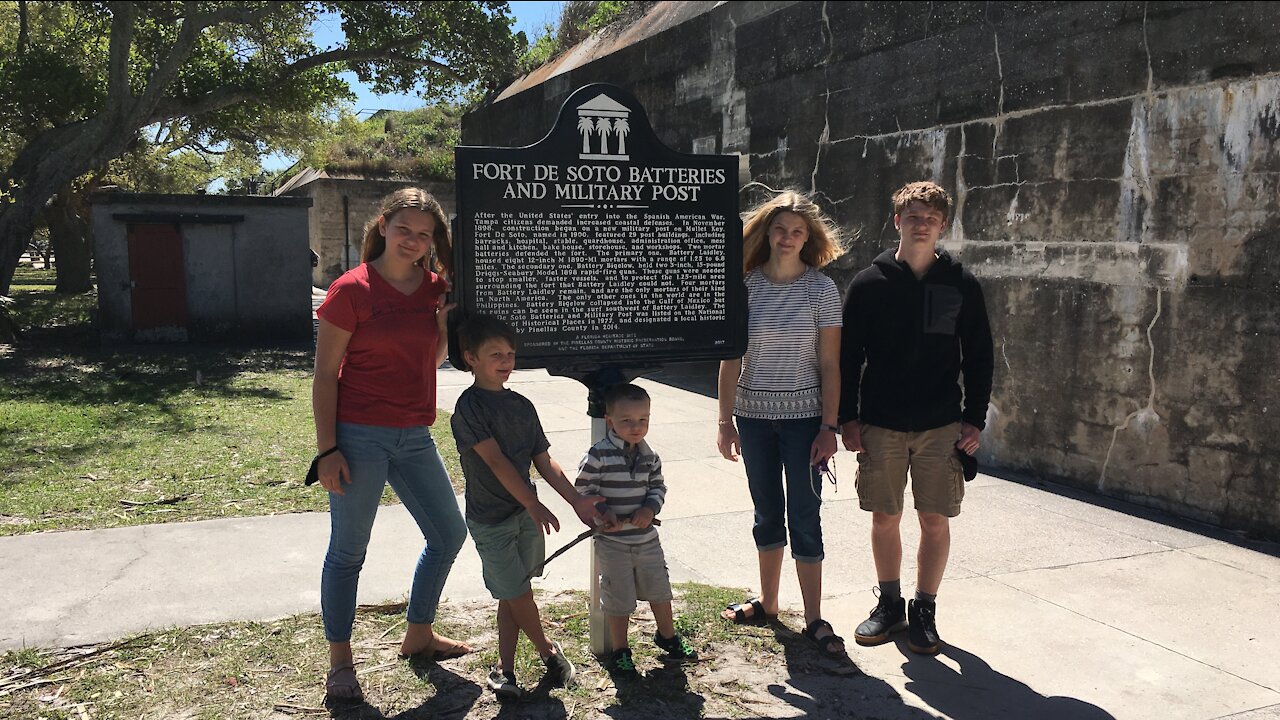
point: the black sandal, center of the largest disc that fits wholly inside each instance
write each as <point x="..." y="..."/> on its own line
<point x="341" y="686"/>
<point x="758" y="617"/>
<point x="825" y="642"/>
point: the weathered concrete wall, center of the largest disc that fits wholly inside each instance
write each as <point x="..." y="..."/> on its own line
<point x="245" y="261"/>
<point x="1117" y="173"/>
<point x="336" y="235"/>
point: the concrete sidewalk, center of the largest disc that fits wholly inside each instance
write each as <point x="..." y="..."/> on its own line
<point x="1056" y="604"/>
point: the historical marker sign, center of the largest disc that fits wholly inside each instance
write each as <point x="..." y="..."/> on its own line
<point x="600" y="245"/>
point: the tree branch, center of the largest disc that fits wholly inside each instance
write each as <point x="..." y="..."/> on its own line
<point x="168" y="68"/>
<point x="22" y="27"/>
<point x="205" y="150"/>
<point x="123" y="15"/>
<point x="229" y="96"/>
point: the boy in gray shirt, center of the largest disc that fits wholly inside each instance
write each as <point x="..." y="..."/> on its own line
<point x="498" y="435"/>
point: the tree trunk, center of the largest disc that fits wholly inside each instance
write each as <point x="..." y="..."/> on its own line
<point x="72" y="244"/>
<point x="17" y="222"/>
<point x="48" y="163"/>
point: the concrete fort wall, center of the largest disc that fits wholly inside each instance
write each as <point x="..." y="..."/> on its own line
<point x="1117" y="175"/>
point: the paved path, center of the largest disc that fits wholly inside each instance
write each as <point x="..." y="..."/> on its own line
<point x="1056" y="604"/>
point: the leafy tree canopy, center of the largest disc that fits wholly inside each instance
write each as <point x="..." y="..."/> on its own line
<point x="86" y="83"/>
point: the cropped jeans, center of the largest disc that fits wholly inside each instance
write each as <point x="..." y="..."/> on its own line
<point x="770" y="450"/>
<point x="407" y="458"/>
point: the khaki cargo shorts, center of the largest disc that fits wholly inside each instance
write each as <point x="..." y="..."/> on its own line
<point x="629" y="573"/>
<point x="937" y="480"/>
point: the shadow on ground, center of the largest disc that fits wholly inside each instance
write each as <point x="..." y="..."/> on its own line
<point x="454" y="697"/>
<point x="661" y="692"/>
<point x="967" y="688"/>
<point x="822" y="687"/>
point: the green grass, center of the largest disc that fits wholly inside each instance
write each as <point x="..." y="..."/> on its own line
<point x="274" y="669"/>
<point x="95" y="437"/>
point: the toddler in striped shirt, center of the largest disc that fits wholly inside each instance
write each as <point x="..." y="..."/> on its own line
<point x="627" y="473"/>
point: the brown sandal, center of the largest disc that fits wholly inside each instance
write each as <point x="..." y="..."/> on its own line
<point x="340" y="685"/>
<point x="457" y="650"/>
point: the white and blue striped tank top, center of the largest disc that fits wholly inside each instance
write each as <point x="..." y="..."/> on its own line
<point x="781" y="375"/>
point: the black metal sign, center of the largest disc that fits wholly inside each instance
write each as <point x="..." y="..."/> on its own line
<point x="600" y="245"/>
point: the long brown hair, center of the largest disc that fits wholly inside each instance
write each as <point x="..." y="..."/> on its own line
<point x="822" y="247"/>
<point x="417" y="199"/>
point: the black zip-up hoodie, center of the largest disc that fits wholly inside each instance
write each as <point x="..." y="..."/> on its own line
<point x="915" y="337"/>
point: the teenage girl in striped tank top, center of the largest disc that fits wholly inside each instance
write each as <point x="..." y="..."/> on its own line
<point x="779" y="402"/>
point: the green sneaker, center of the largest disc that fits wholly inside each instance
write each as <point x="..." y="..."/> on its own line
<point x="620" y="663"/>
<point x="677" y="648"/>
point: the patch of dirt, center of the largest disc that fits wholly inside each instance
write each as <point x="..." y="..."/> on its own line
<point x="758" y="672"/>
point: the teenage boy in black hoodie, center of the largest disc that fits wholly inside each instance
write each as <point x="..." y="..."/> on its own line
<point x="915" y="320"/>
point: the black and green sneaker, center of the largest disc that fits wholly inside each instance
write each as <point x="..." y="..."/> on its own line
<point x="621" y="664"/>
<point x="677" y="649"/>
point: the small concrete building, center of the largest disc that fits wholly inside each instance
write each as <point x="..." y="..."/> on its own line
<point x="342" y="206"/>
<point x="176" y="268"/>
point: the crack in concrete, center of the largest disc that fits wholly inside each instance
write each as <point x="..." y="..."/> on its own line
<point x="1135" y="215"/>
<point x="998" y="125"/>
<point x="1147" y="410"/>
<point x="77" y="610"/>
<point x="1147" y="48"/>
<point x="1036" y="183"/>
<point x="1029" y="112"/>
<point x="1078" y="563"/>
<point x="825" y="137"/>
<point x="962" y="191"/>
<point x="733" y="101"/>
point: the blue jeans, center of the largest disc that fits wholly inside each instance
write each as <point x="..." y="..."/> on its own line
<point x="407" y="458"/>
<point x="770" y="447"/>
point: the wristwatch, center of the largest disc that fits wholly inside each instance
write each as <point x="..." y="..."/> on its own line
<point x="833" y="428"/>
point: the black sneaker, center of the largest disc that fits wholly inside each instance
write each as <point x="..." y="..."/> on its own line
<point x="559" y="670"/>
<point x="621" y="663"/>
<point x="676" y="647"/>
<point x="888" y="616"/>
<point x="503" y="684"/>
<point x="923" y="637"/>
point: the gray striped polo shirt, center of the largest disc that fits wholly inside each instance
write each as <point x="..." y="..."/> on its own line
<point x="627" y="481"/>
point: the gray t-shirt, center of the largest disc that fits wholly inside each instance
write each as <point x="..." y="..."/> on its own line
<point x="510" y="419"/>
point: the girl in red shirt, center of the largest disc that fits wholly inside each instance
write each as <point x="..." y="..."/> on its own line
<point x="381" y="338"/>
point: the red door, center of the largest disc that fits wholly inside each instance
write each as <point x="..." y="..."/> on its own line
<point x="157" y="277"/>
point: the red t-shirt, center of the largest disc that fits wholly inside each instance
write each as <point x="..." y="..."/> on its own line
<point x="388" y="376"/>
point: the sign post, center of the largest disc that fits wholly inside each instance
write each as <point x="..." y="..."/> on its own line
<point x="609" y="253"/>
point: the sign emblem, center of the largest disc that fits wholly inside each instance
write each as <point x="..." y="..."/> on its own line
<point x="601" y="117"/>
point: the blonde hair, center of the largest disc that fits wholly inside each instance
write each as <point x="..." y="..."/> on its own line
<point x="404" y="199"/>
<point x="823" y="244"/>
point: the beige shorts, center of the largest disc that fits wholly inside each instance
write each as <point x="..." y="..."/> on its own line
<point x="937" y="480"/>
<point x="629" y="573"/>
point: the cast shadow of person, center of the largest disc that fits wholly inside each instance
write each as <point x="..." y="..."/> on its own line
<point x="824" y="687"/>
<point x="453" y="699"/>
<point x="536" y="703"/>
<point x="660" y="692"/>
<point x="975" y="690"/>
